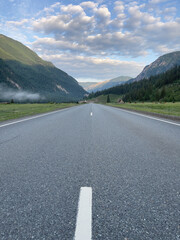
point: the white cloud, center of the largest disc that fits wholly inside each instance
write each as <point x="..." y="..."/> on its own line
<point x="90" y="35"/>
<point x="130" y="32"/>
<point x="17" y="23"/>
<point x="57" y="45"/>
<point x="73" y="9"/>
<point x="119" y="7"/>
<point x="170" y="10"/>
<point x="49" y="10"/>
<point x="100" y="34"/>
<point x="80" y="66"/>
<point x="89" y="4"/>
<point x="103" y="13"/>
<point x="157" y="1"/>
<point x="64" y="24"/>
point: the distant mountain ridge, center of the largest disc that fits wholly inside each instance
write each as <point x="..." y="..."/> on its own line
<point x="94" y="87"/>
<point x="159" y="81"/>
<point x="86" y="85"/>
<point x="160" y="65"/>
<point x="22" y="69"/>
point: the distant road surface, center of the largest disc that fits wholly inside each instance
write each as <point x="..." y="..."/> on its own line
<point x="127" y="167"/>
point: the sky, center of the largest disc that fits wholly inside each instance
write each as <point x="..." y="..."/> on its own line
<point x="94" y="40"/>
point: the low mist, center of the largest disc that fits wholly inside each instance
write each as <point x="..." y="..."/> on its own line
<point x="7" y="94"/>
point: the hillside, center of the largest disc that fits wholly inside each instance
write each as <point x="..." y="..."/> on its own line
<point x="162" y="82"/>
<point x="161" y="65"/>
<point x="22" y="70"/>
<point x="162" y="87"/>
<point x="94" y="87"/>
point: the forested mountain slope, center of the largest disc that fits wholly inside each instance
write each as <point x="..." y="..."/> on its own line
<point x="22" y="69"/>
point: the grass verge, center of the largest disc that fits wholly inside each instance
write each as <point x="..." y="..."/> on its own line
<point x="172" y="109"/>
<point x="13" y="111"/>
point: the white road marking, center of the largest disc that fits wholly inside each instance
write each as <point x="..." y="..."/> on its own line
<point x="26" y="119"/>
<point x="84" y="216"/>
<point x="91" y="113"/>
<point x="157" y="119"/>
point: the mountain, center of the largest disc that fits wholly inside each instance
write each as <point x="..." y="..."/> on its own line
<point x="164" y="86"/>
<point x="95" y="87"/>
<point x="86" y="85"/>
<point x="22" y="70"/>
<point x="161" y="65"/>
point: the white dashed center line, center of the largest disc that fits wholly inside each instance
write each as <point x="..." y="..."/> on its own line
<point x="91" y="113"/>
<point x="84" y="216"/>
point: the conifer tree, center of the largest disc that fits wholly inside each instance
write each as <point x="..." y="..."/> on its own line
<point x="108" y="99"/>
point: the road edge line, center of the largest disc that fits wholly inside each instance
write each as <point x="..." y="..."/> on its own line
<point x="34" y="117"/>
<point x="146" y="116"/>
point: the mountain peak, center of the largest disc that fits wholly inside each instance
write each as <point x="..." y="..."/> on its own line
<point x="160" y="65"/>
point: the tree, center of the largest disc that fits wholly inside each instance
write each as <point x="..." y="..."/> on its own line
<point x="157" y="97"/>
<point x="163" y="92"/>
<point x="108" y="99"/>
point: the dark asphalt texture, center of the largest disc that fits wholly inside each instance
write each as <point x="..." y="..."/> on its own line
<point x="131" y="162"/>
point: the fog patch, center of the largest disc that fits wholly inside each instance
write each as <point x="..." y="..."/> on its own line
<point x="7" y="94"/>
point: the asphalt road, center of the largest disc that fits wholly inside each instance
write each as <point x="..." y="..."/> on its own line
<point x="131" y="162"/>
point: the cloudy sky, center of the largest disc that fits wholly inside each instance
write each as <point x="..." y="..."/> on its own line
<point x="94" y="40"/>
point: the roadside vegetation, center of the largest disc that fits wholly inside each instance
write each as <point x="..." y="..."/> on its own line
<point x="12" y="111"/>
<point x="169" y="108"/>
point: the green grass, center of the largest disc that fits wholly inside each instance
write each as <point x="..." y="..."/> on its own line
<point x="168" y="108"/>
<point x="161" y="108"/>
<point x="12" y="111"/>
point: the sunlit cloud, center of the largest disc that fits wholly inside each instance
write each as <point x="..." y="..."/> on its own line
<point x="101" y="34"/>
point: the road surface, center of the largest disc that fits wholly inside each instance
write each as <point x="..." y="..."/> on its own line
<point x="129" y="163"/>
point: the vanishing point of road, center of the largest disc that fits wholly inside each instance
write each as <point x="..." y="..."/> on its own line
<point x="92" y="169"/>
